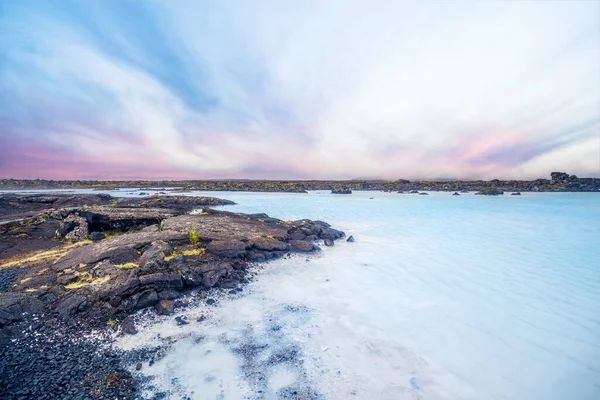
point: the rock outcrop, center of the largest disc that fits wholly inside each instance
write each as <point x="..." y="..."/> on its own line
<point x="341" y="191"/>
<point x="145" y="258"/>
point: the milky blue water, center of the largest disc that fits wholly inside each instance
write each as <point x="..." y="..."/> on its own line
<point x="440" y="297"/>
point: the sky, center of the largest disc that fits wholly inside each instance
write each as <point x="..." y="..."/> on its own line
<point x="324" y="89"/>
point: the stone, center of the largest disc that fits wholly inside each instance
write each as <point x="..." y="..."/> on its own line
<point x="124" y="255"/>
<point x="155" y="255"/>
<point x="490" y="192"/>
<point x="227" y="248"/>
<point x="455" y="194"/>
<point x="168" y="294"/>
<point x="191" y="278"/>
<point x="162" y="280"/>
<point x="330" y="233"/>
<point x="268" y="244"/>
<point x="211" y="278"/>
<point x="350" y="239"/>
<point x="128" y="326"/>
<point x="96" y="236"/>
<point x="77" y="228"/>
<point x="341" y="191"/>
<point x="181" y="320"/>
<point x="165" y="307"/>
<point x="303" y="246"/>
<point x="329" y="243"/>
<point x="296" y="236"/>
<point x="147" y="298"/>
<point x="69" y="307"/>
<point x="516" y="194"/>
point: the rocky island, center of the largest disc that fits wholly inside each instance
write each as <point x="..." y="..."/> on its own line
<point x="70" y="264"/>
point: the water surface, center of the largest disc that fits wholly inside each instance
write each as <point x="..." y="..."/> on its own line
<point x="440" y="297"/>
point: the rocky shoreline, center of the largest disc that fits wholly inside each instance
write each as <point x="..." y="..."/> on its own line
<point x="57" y="284"/>
<point x="558" y="182"/>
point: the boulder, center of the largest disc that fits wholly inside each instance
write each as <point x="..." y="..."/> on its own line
<point x="211" y="278"/>
<point x="128" y="326"/>
<point x="268" y="244"/>
<point x="124" y="255"/>
<point x="74" y="228"/>
<point x="227" y="248"/>
<point x="165" y="307"/>
<point x="296" y="236"/>
<point x="330" y="233"/>
<point x="350" y="239"/>
<point x="155" y="255"/>
<point x="162" y="281"/>
<point x="303" y="246"/>
<point x="168" y="294"/>
<point x="329" y="243"/>
<point x="516" y="194"/>
<point x="455" y="194"/>
<point x="96" y="236"/>
<point x="147" y="298"/>
<point x="69" y="307"/>
<point x="490" y="192"/>
<point x="341" y="191"/>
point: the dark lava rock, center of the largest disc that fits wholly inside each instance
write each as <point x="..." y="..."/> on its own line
<point x="45" y="365"/>
<point x="490" y="192"/>
<point x="69" y="307"/>
<point x="128" y="326"/>
<point x="154" y="257"/>
<point x="190" y="278"/>
<point x="268" y="244"/>
<point x="124" y="255"/>
<point x="330" y="233"/>
<point x="148" y="298"/>
<point x="303" y="246"/>
<point x="181" y="320"/>
<point x="162" y="281"/>
<point x="455" y="194"/>
<point x="329" y="243"/>
<point x="350" y="239"/>
<point x="423" y="194"/>
<point x="414" y="191"/>
<point x="96" y="236"/>
<point x="165" y="307"/>
<point x="516" y="194"/>
<point x="211" y="278"/>
<point x="341" y="191"/>
<point x="211" y="302"/>
<point x="168" y="294"/>
<point x="138" y="366"/>
<point x="227" y="248"/>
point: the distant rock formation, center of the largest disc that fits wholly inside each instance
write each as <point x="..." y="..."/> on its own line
<point x="490" y="192"/>
<point x="341" y="191"/>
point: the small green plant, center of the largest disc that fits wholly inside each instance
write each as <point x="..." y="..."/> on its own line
<point x="193" y="235"/>
<point x="111" y="322"/>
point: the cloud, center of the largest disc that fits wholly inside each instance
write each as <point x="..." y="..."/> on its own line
<point x="268" y="89"/>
